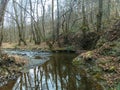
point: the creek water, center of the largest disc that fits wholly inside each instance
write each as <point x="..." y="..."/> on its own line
<point x="53" y="71"/>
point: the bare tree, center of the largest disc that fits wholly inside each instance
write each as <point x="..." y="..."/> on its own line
<point x="19" y="25"/>
<point x="60" y="20"/>
<point x="3" y="5"/>
<point x="53" y="29"/>
<point x="43" y="17"/>
<point x="58" y="23"/>
<point x="35" y="27"/>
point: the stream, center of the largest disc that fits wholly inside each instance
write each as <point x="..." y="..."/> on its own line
<point x="52" y="71"/>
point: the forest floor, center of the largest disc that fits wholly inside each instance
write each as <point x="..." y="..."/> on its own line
<point x="30" y="46"/>
<point x="103" y="63"/>
<point x="42" y="47"/>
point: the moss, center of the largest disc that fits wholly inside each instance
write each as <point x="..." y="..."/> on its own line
<point x="77" y="61"/>
<point x="101" y="63"/>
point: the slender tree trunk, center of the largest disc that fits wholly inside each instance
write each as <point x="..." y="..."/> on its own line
<point x="1" y="34"/>
<point x="43" y="18"/>
<point x="58" y="24"/>
<point x="53" y="29"/>
<point x="99" y="15"/>
<point x="108" y="9"/>
<point x="32" y="23"/>
<point x="84" y="23"/>
<point x="3" y="4"/>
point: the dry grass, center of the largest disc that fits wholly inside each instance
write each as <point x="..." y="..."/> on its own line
<point x="43" y="45"/>
<point x="19" y="59"/>
<point x="8" y="45"/>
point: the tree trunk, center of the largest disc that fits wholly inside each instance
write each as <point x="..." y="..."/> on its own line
<point x="53" y="29"/>
<point x="58" y="24"/>
<point x="19" y="26"/>
<point x="99" y="15"/>
<point x="108" y="13"/>
<point x="3" y="5"/>
<point x="35" y="29"/>
<point x="43" y="18"/>
<point x="85" y="27"/>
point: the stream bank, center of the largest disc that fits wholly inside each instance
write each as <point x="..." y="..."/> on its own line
<point x="15" y="62"/>
<point x="103" y="62"/>
<point x="56" y="73"/>
<point x="10" y="68"/>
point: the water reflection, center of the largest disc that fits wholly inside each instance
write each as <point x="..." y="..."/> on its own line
<point x="56" y="74"/>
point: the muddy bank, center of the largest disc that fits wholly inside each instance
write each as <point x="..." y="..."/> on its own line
<point x="10" y="68"/>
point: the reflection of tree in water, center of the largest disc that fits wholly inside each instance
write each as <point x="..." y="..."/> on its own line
<point x="56" y="74"/>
